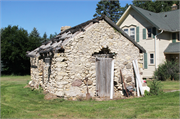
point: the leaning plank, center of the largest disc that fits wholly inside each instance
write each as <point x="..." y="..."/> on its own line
<point x="138" y="78"/>
<point x="112" y="81"/>
<point x="138" y="70"/>
<point x="137" y="81"/>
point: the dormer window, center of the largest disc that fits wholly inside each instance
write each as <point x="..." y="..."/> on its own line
<point x="132" y="33"/>
<point x="126" y="31"/>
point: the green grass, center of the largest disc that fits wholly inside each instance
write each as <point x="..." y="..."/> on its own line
<point x="168" y="85"/>
<point x="19" y="102"/>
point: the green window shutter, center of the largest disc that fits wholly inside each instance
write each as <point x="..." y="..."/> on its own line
<point x="137" y="34"/>
<point x="144" y="33"/>
<point x="154" y="32"/>
<point x="145" y="61"/>
<point x="173" y="37"/>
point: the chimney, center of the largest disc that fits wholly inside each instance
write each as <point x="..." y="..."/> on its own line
<point x="64" y="28"/>
<point x="174" y="7"/>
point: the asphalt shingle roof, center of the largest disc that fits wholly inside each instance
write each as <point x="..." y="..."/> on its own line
<point x="173" y="48"/>
<point x="167" y="21"/>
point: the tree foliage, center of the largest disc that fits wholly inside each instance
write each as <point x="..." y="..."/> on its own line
<point x="44" y="39"/>
<point x="109" y="8"/>
<point x="14" y="44"/>
<point x="155" y="5"/>
<point x="52" y="35"/>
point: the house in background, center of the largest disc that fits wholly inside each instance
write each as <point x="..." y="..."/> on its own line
<point x="157" y="33"/>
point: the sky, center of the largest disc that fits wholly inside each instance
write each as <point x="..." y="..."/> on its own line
<point x="48" y="16"/>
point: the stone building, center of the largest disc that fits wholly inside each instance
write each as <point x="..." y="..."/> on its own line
<point x="95" y="50"/>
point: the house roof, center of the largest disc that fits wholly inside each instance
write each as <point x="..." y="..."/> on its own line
<point x="173" y="48"/>
<point x="167" y="21"/>
<point x="62" y="38"/>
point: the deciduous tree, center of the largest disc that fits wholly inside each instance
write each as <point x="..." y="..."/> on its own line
<point x="14" y="44"/>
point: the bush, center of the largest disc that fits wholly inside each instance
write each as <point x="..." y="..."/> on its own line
<point x="167" y="70"/>
<point x="155" y="88"/>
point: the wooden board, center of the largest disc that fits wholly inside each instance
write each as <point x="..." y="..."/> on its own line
<point x="138" y="77"/>
<point x="103" y="76"/>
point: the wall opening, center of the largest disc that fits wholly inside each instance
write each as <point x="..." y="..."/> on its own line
<point x="104" y="53"/>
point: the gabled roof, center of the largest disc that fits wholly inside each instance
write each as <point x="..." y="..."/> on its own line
<point x="173" y="48"/>
<point x="167" y="21"/>
<point x="62" y="38"/>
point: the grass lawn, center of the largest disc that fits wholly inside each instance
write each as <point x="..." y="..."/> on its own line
<point x="168" y="85"/>
<point x="19" y="102"/>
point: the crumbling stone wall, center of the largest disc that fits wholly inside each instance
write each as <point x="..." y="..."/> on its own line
<point x="69" y="69"/>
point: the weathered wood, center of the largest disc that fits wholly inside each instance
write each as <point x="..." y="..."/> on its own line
<point x="124" y="83"/>
<point x="138" y="78"/>
<point x="103" y="76"/>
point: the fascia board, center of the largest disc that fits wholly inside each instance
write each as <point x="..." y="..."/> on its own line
<point x="123" y="16"/>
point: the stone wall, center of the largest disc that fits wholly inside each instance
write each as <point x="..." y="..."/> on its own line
<point x="66" y="73"/>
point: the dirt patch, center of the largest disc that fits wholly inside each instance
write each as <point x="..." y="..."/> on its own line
<point x="170" y="90"/>
<point x="50" y="96"/>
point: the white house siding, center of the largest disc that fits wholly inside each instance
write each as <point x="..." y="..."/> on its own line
<point x="134" y="19"/>
<point x="163" y="41"/>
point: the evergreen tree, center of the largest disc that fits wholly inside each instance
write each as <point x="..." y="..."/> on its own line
<point x="45" y="37"/>
<point x="155" y="6"/>
<point x="35" y="38"/>
<point x="109" y="8"/>
<point x="34" y="33"/>
<point x="53" y="35"/>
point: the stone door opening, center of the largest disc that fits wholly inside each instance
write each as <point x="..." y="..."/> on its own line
<point x="103" y="76"/>
<point x="104" y="72"/>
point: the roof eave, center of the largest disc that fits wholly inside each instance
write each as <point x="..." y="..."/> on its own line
<point x="123" y="16"/>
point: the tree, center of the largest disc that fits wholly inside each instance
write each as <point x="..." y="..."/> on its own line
<point x="14" y="44"/>
<point x="123" y="9"/>
<point x="155" y="6"/>
<point x="34" y="33"/>
<point x="35" y="38"/>
<point x="52" y="35"/>
<point x="45" y="37"/>
<point x="109" y="8"/>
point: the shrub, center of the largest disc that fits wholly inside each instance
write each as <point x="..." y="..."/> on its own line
<point x="146" y="93"/>
<point x="167" y="70"/>
<point x="155" y="88"/>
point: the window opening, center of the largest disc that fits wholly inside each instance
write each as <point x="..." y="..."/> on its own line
<point x="178" y="37"/>
<point x="151" y="58"/>
<point x="126" y="31"/>
<point x="149" y="32"/>
<point x="132" y="33"/>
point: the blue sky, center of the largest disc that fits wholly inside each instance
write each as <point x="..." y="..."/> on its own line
<point x="48" y="16"/>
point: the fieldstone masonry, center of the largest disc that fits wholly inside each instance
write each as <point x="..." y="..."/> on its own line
<point x="65" y="74"/>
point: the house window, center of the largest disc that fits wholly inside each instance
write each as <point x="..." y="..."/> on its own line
<point x="178" y="37"/>
<point x="126" y="31"/>
<point x="149" y="32"/>
<point x="151" y="58"/>
<point x="132" y="33"/>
